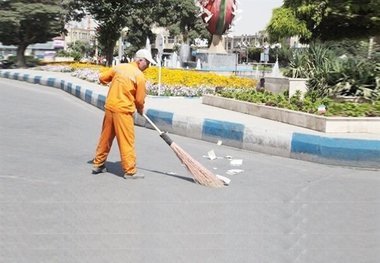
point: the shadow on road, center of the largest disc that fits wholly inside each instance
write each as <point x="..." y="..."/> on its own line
<point x="115" y="169"/>
<point x="169" y="174"/>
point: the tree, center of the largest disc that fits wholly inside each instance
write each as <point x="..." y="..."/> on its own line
<point x="284" y="24"/>
<point x="180" y="16"/>
<point x="25" y="22"/>
<point x="325" y="19"/>
<point x="113" y="16"/>
<point x="80" y="49"/>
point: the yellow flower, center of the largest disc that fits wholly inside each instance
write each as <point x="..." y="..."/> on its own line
<point x="181" y="77"/>
<point x="192" y="78"/>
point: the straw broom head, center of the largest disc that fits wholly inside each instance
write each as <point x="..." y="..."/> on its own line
<point x="200" y="174"/>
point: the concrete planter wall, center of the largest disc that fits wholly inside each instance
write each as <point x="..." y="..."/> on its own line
<point x="279" y="85"/>
<point x="297" y="84"/>
<point x="305" y="120"/>
<point x="276" y="85"/>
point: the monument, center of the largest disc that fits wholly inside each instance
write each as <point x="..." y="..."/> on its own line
<point x="218" y="16"/>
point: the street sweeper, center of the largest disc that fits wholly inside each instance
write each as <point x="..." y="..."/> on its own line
<point x="125" y="96"/>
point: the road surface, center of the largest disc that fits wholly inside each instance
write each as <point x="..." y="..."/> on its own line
<point x="52" y="209"/>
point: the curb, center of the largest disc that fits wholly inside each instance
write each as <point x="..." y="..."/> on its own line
<point x="328" y="150"/>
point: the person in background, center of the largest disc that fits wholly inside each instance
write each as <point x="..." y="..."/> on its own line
<point x="125" y="96"/>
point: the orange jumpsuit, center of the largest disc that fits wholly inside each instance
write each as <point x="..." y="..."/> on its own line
<point x="126" y="95"/>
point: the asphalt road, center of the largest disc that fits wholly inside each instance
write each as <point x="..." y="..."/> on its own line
<point x="52" y="209"/>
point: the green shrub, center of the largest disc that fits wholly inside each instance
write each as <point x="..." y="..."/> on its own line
<point x="332" y="71"/>
<point x="308" y="104"/>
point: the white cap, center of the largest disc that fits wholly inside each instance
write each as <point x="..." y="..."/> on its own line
<point x="143" y="53"/>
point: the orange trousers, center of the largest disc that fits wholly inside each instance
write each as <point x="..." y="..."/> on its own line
<point x="120" y="125"/>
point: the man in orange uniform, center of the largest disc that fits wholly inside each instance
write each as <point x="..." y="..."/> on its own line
<point x="125" y="96"/>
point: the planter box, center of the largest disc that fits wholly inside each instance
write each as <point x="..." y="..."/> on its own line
<point x="297" y="84"/>
<point x="279" y="85"/>
<point x="276" y="85"/>
<point x="305" y="120"/>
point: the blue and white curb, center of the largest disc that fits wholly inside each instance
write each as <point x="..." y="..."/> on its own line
<point x="83" y="93"/>
<point x="323" y="149"/>
<point x="349" y="151"/>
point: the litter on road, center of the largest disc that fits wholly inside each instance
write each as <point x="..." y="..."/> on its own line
<point x="236" y="162"/>
<point x="224" y="179"/>
<point x="234" y="171"/>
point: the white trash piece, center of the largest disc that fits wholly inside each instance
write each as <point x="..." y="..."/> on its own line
<point x="236" y="162"/>
<point x="219" y="142"/>
<point x="224" y="179"/>
<point x="211" y="155"/>
<point x="234" y="171"/>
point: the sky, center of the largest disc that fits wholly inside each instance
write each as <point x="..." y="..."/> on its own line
<point x="254" y="16"/>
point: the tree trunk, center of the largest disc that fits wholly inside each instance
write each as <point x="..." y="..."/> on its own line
<point x="109" y="52"/>
<point x="21" y="55"/>
<point x="109" y="57"/>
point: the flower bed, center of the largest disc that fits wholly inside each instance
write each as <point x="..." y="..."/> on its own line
<point x="193" y="78"/>
<point x="174" y="82"/>
<point x="194" y="84"/>
<point x="307" y="104"/>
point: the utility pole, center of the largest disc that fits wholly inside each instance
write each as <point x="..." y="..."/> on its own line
<point x="264" y="57"/>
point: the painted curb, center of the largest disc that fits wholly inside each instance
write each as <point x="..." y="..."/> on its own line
<point x="322" y="149"/>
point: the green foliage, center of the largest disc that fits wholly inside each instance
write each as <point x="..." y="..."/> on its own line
<point x="76" y="50"/>
<point x="305" y="62"/>
<point x="283" y="54"/>
<point x="351" y="109"/>
<point x="27" y="22"/>
<point x="329" y="75"/>
<point x="298" y="65"/>
<point x="308" y="104"/>
<point x="360" y="78"/>
<point x="180" y="16"/>
<point x="82" y="49"/>
<point x="284" y="23"/>
<point x="349" y="47"/>
<point x="112" y="17"/>
<point x="325" y="20"/>
<point x="30" y="61"/>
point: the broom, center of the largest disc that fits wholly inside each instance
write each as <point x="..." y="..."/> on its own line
<point x="201" y="175"/>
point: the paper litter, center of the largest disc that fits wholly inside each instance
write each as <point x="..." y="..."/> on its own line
<point x="236" y="162"/>
<point x="234" y="171"/>
<point x="224" y="179"/>
<point x="211" y="155"/>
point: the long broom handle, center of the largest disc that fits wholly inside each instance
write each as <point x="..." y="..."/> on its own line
<point x="152" y="123"/>
<point x="163" y="135"/>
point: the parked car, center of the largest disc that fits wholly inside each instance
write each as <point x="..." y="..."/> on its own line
<point x="6" y="63"/>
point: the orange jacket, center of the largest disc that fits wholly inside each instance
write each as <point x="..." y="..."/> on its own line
<point x="127" y="91"/>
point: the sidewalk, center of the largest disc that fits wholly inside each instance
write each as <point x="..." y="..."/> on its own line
<point x="189" y="117"/>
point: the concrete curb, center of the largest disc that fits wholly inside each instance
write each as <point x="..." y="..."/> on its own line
<point x="310" y="147"/>
<point x="305" y="120"/>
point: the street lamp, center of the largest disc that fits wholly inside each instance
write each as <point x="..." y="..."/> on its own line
<point x="123" y="33"/>
<point x="245" y="44"/>
<point x="264" y="57"/>
<point x="276" y="47"/>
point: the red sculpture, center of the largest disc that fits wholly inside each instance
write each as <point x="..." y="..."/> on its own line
<point x="217" y="14"/>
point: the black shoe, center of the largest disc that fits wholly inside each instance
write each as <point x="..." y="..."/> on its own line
<point x="99" y="169"/>
<point x="134" y="176"/>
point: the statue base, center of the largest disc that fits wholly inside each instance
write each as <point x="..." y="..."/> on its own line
<point x="216" y="58"/>
<point x="217" y="45"/>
